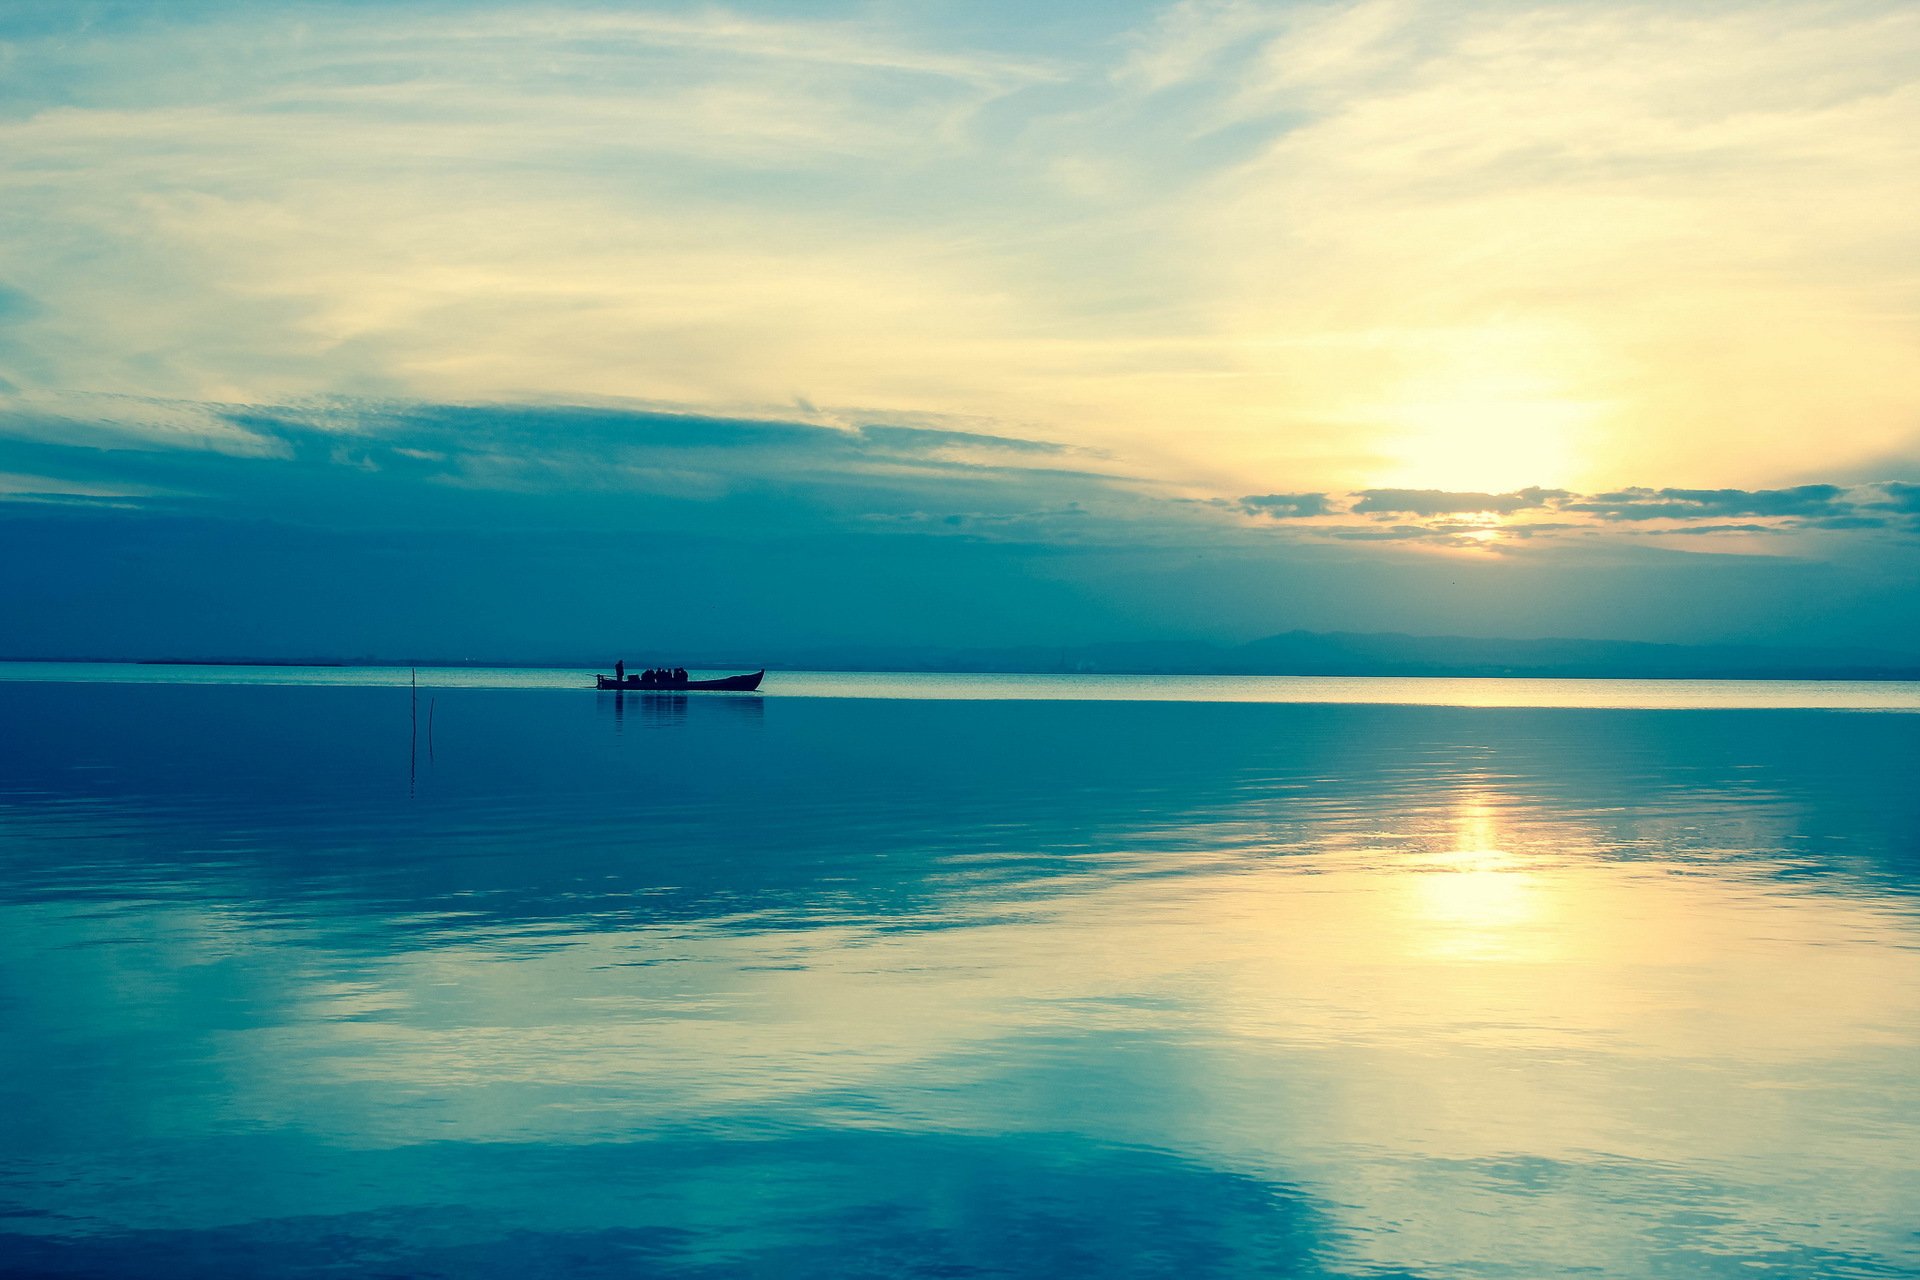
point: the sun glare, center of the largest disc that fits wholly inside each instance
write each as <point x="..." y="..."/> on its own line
<point x="1477" y="900"/>
<point x="1490" y="410"/>
<point x="1485" y="445"/>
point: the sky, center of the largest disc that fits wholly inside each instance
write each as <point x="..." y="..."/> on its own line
<point x="525" y="328"/>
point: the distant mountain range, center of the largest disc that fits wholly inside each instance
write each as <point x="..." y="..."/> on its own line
<point x="1318" y="653"/>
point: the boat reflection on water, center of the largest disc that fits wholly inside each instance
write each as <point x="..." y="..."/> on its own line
<point x="990" y="987"/>
<point x="664" y="707"/>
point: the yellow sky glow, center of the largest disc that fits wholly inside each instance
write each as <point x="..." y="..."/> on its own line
<point x="1247" y="248"/>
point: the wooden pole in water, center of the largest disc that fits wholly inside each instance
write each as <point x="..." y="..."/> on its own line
<point x="413" y="726"/>
<point x="431" y="704"/>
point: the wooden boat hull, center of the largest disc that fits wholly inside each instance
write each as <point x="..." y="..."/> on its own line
<point x="725" y="684"/>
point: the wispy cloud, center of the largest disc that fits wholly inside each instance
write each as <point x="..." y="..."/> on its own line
<point x="376" y="465"/>
<point x="388" y="459"/>
<point x="525" y="526"/>
<point x="1375" y="244"/>
<point x="1489" y="521"/>
<point x="1565" y="242"/>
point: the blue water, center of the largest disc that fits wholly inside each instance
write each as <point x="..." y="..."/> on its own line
<point x="993" y="982"/>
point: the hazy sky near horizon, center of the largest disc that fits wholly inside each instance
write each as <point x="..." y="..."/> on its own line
<point x="1094" y="320"/>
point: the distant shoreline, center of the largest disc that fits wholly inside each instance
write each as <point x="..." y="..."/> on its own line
<point x="1376" y="654"/>
<point x="222" y="662"/>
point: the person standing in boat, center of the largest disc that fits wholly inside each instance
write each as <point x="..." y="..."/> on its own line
<point x="619" y="670"/>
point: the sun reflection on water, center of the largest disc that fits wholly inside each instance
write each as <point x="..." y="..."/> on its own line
<point x="1431" y="970"/>
<point x="1475" y="900"/>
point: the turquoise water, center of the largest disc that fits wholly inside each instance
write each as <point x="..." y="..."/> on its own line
<point x="889" y="976"/>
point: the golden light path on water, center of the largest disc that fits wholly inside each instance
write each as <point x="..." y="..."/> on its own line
<point x="1481" y="990"/>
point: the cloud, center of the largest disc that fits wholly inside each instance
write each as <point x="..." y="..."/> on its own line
<point x="400" y="461"/>
<point x="1431" y="502"/>
<point x="1694" y="504"/>
<point x="1286" y="506"/>
<point x="1493" y="520"/>
<point x="375" y="465"/>
<point x="1710" y="530"/>
<point x="1385" y="533"/>
<point x="1524" y="238"/>
<point x="16" y="306"/>
<point x="1362" y="245"/>
<point x="1848" y="522"/>
<point x="397" y="526"/>
<point x="1901" y="496"/>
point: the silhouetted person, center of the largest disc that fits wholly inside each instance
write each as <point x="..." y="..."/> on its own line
<point x="620" y="671"/>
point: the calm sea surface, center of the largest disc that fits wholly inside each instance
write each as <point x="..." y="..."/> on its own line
<point x="956" y="976"/>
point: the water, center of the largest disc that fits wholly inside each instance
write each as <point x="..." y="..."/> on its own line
<point x="983" y="984"/>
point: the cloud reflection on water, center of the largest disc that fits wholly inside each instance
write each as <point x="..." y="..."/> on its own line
<point x="1334" y="989"/>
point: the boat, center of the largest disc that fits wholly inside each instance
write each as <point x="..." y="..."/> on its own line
<point x="725" y="684"/>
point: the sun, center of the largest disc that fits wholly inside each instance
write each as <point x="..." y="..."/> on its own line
<point x="1485" y="445"/>
<point x="1488" y="410"/>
